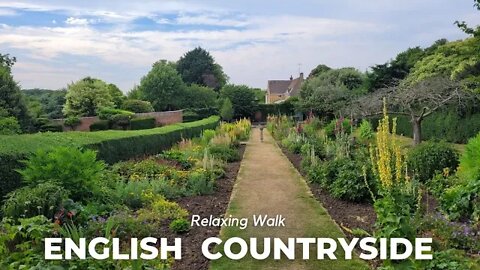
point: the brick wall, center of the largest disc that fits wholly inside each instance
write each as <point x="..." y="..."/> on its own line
<point x="162" y="119"/>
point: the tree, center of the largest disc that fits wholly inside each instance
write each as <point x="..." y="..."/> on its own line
<point x="51" y="102"/>
<point x="137" y="106"/>
<point x="227" y="110"/>
<point x="467" y="29"/>
<point x="417" y="101"/>
<point x="162" y="86"/>
<point x="243" y="99"/>
<point x="116" y="94"/>
<point x="11" y="98"/>
<point x="198" y="67"/>
<point x="86" y="97"/>
<point x="260" y="95"/>
<point x="318" y="70"/>
<point x="457" y="60"/>
<point x="197" y="97"/>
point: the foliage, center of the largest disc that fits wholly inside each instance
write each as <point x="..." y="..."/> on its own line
<point x="226" y="112"/>
<point x="11" y="99"/>
<point x="137" y="106"/>
<point x="75" y="170"/>
<point x="366" y="130"/>
<point x="107" y="113"/>
<point x="469" y="161"/>
<point x="100" y="125"/>
<point x="243" y="100"/>
<point x="429" y="158"/>
<point x="224" y="152"/>
<point x="449" y="259"/>
<point x="143" y="123"/>
<point x="462" y="200"/>
<point x="43" y="199"/>
<point x="162" y="86"/>
<point x="196" y="96"/>
<point x="318" y="70"/>
<point x="50" y="102"/>
<point x="179" y="156"/>
<point x="86" y="97"/>
<point x="338" y="126"/>
<point x="180" y="225"/>
<point x="260" y="95"/>
<point x="9" y="126"/>
<point x="72" y="122"/>
<point x="198" y="67"/>
<point x="116" y="94"/>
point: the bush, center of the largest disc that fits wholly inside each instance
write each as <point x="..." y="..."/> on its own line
<point x="338" y="126"/>
<point x="189" y="116"/>
<point x="470" y="160"/>
<point x="9" y="126"/>
<point x="366" y="130"/>
<point x="43" y="199"/>
<point x="429" y="158"/>
<point x="224" y="152"/>
<point x="349" y="183"/>
<point x="137" y="106"/>
<point x="200" y="183"/>
<point x="108" y="113"/>
<point x="180" y="225"/>
<point x="462" y="200"/>
<point x="99" y="125"/>
<point x="51" y="127"/>
<point x="112" y="146"/>
<point x="142" y="123"/>
<point x="72" y="122"/>
<point x="450" y="259"/>
<point x="76" y="171"/>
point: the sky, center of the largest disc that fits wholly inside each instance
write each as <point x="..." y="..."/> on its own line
<point x="59" y="42"/>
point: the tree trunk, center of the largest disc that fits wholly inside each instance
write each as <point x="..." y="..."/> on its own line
<point x="417" y="130"/>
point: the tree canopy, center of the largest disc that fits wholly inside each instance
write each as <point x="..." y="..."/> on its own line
<point x="162" y="86"/>
<point x="86" y="97"/>
<point x="116" y="94"/>
<point x="243" y="99"/>
<point x="198" y="67"/>
<point x="197" y="96"/>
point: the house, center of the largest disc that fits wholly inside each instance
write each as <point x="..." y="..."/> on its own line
<point x="280" y="90"/>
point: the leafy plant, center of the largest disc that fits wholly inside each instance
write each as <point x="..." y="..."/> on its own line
<point x="9" y="126"/>
<point x="224" y="152"/>
<point x="72" y="122"/>
<point x="71" y="168"/>
<point x="366" y="130"/>
<point x="42" y="199"/>
<point x="180" y="225"/>
<point x="429" y="158"/>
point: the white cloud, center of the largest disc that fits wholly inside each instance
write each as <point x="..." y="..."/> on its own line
<point x="7" y="12"/>
<point x="78" y="21"/>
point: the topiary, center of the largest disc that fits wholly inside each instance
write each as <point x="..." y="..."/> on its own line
<point x="429" y="158"/>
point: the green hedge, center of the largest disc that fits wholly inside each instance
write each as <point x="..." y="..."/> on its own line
<point x="112" y="145"/>
<point x="142" y="123"/>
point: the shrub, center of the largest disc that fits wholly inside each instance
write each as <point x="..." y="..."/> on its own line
<point x="142" y="123"/>
<point x="130" y="193"/>
<point x="450" y="259"/>
<point x="71" y="168"/>
<point x="189" y="116"/>
<point x="51" y="127"/>
<point x="207" y="136"/>
<point x="349" y="183"/>
<point x="99" y="125"/>
<point x="137" y="106"/>
<point x="366" y="130"/>
<point x="72" y="122"/>
<point x="462" y="200"/>
<point x="428" y="158"/>
<point x="338" y="126"/>
<point x="180" y="225"/>
<point x="9" y="126"/>
<point x="43" y="199"/>
<point x="200" y="183"/>
<point x="226" y="112"/>
<point x="112" y="146"/>
<point x="470" y="161"/>
<point x="180" y="157"/>
<point x="224" y="152"/>
<point x="108" y="113"/>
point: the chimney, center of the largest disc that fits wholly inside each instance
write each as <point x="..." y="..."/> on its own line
<point x="301" y="75"/>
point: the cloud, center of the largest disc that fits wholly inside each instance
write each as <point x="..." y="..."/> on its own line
<point x="7" y="12"/>
<point x="77" y="21"/>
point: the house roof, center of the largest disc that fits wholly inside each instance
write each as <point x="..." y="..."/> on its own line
<point x="278" y="86"/>
<point x="295" y="86"/>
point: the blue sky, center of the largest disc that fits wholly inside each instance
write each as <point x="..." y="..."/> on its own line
<point x="57" y="42"/>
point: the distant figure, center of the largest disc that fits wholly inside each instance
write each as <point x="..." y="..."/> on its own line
<point x="261" y="133"/>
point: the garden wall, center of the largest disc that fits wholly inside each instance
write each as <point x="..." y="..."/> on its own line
<point x="112" y="145"/>
<point x="161" y="119"/>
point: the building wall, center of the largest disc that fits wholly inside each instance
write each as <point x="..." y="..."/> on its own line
<point x="272" y="98"/>
<point x="161" y="119"/>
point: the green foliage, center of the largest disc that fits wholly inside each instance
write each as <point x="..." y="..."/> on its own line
<point x="107" y="113"/>
<point x="349" y="183"/>
<point x="137" y="106"/>
<point x="366" y="130"/>
<point x="429" y="158"/>
<point x="470" y="160"/>
<point x="243" y="100"/>
<point x="196" y="96"/>
<point x="86" y="97"/>
<point x="180" y="225"/>
<point x="338" y="126"/>
<point x="179" y="156"/>
<point x="11" y="99"/>
<point x="198" y="67"/>
<point x="143" y="123"/>
<point x="450" y="259"/>
<point x="260" y="95"/>
<point x="224" y="152"/>
<point x="9" y="126"/>
<point x="100" y="125"/>
<point x="49" y="102"/>
<point x="318" y="70"/>
<point x="462" y="200"/>
<point x="72" y="122"/>
<point x="207" y="136"/>
<point x="458" y="60"/>
<point x="116" y="94"/>
<point x="43" y="199"/>
<point x="226" y="112"/>
<point x="76" y="171"/>
<point x="162" y="87"/>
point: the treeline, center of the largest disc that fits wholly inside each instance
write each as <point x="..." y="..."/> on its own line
<point x="194" y="83"/>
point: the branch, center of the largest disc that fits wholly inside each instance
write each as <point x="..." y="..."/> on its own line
<point x="436" y="107"/>
<point x="380" y="113"/>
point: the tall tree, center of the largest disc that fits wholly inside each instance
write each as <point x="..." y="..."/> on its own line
<point x="86" y="97"/>
<point x="162" y="86"/>
<point x="197" y="96"/>
<point x="198" y="67"/>
<point x="318" y="70"/>
<point x="243" y="99"/>
<point x="417" y="101"/>
<point x="11" y="99"/>
<point x="116" y="94"/>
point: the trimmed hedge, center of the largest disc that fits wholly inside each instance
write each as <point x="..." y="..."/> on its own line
<point x="100" y="125"/>
<point x="142" y="123"/>
<point x="112" y="145"/>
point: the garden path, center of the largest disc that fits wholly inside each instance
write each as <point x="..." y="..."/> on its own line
<point x="268" y="184"/>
